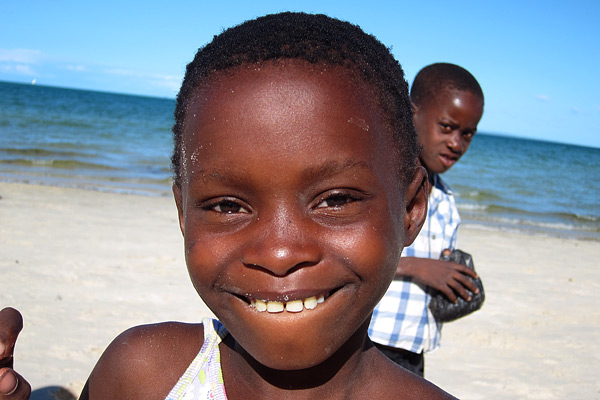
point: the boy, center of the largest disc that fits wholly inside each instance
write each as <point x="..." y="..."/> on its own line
<point x="448" y="104"/>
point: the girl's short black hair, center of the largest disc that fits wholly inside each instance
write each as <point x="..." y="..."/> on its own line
<point x="317" y="39"/>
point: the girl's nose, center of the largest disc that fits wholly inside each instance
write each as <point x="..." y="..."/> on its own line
<point x="281" y="245"/>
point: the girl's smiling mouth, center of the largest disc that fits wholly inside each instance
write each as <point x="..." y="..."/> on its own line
<point x="292" y="304"/>
<point x="310" y="303"/>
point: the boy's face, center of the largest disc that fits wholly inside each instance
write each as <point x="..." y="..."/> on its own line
<point x="445" y="126"/>
<point x="290" y="193"/>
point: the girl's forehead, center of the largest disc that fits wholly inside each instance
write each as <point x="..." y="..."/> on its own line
<point x="284" y="110"/>
<point x="292" y="88"/>
<point x="269" y="76"/>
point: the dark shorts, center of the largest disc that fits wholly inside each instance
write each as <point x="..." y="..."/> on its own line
<point x="414" y="362"/>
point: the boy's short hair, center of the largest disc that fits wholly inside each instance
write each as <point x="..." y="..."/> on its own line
<point x="437" y="77"/>
<point x="316" y="39"/>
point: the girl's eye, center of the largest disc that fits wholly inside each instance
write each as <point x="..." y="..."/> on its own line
<point x="227" y="207"/>
<point x="336" y="200"/>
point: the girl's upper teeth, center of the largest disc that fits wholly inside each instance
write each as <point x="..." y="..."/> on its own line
<point x="291" y="306"/>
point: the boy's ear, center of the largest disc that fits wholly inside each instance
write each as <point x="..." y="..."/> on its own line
<point x="414" y="107"/>
<point x="416" y="205"/>
<point x="179" y="203"/>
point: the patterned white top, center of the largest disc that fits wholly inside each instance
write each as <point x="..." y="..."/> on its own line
<point x="402" y="318"/>
<point x="203" y="379"/>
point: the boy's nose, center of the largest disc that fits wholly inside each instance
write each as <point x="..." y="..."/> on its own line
<point x="281" y="245"/>
<point x="454" y="143"/>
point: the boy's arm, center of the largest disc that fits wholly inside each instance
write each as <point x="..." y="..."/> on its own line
<point x="447" y="277"/>
<point x="12" y="385"/>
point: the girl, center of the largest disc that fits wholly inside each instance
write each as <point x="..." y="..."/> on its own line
<point x="296" y="187"/>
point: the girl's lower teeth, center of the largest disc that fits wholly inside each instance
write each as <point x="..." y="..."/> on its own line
<point x="293" y="306"/>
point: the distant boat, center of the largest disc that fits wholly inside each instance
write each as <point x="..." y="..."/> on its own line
<point x="33" y="82"/>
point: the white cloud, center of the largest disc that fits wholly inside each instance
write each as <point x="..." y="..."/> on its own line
<point x="78" y="68"/>
<point x="20" y="61"/>
<point x="138" y="74"/>
<point x="543" y="97"/>
<point x="20" y="56"/>
<point x="171" y="82"/>
<point x="122" y="72"/>
<point x="19" y="69"/>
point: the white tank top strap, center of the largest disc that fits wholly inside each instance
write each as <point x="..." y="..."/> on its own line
<point x="203" y="379"/>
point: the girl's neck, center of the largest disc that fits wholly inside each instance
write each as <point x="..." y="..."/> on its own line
<point x="337" y="377"/>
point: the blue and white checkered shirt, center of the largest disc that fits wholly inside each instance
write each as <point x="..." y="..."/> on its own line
<point x="402" y="318"/>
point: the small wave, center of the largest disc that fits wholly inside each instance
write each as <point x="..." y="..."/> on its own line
<point x="58" y="122"/>
<point x="475" y="194"/>
<point x="590" y="218"/>
<point x="548" y="224"/>
<point x="38" y="152"/>
<point x="59" y="164"/>
<point x="151" y="190"/>
<point x="471" y="207"/>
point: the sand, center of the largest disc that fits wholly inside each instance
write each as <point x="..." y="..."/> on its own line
<point x="82" y="266"/>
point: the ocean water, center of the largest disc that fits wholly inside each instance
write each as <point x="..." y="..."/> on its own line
<point x="529" y="185"/>
<point x="85" y="139"/>
<point x="122" y="143"/>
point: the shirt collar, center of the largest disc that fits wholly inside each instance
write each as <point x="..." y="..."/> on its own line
<point x="440" y="184"/>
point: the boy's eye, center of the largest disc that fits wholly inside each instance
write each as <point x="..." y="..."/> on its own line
<point x="336" y="200"/>
<point x="468" y="135"/>
<point x="227" y="207"/>
<point x="446" y="128"/>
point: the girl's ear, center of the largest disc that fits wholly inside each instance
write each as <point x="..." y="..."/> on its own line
<point x="416" y="205"/>
<point x="179" y="204"/>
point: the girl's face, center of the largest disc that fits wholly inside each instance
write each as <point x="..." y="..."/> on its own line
<point x="291" y="202"/>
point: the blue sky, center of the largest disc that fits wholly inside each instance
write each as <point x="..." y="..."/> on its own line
<point x="537" y="61"/>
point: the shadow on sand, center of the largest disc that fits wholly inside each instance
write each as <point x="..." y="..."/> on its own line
<point x="52" y="393"/>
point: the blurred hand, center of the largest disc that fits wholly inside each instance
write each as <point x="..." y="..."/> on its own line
<point x="12" y="385"/>
<point x="447" y="277"/>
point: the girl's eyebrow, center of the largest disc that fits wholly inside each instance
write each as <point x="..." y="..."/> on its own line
<point x="213" y="174"/>
<point x="332" y="168"/>
<point x="310" y="174"/>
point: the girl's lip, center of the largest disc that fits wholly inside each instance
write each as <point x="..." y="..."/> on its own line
<point x="291" y="301"/>
<point x="270" y="295"/>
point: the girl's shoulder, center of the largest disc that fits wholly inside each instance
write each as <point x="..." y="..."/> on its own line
<point x="393" y="381"/>
<point x="145" y="361"/>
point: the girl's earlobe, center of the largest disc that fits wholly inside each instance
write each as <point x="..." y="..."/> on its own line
<point x="416" y="205"/>
<point x="179" y="203"/>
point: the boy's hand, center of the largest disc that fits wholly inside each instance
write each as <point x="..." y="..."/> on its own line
<point x="12" y="385"/>
<point x="447" y="277"/>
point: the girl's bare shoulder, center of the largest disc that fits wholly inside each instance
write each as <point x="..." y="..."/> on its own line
<point x="145" y="361"/>
<point x="394" y="382"/>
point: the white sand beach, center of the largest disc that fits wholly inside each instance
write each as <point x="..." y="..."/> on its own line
<point x="82" y="266"/>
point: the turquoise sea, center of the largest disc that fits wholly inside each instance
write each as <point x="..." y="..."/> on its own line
<point x="122" y="143"/>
